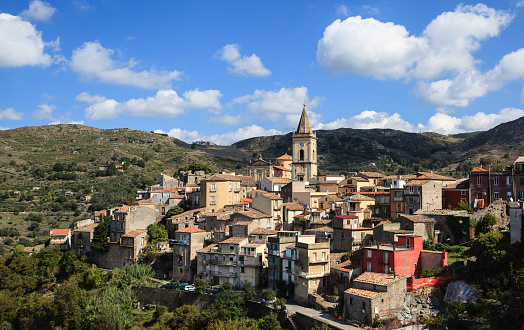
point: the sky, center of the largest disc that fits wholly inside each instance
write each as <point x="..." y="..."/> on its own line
<point x="224" y="71"/>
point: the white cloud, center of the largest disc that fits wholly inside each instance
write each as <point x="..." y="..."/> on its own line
<point x="222" y="139"/>
<point x="10" y="114"/>
<point x="388" y="51"/>
<point x="45" y="111"/>
<point x="226" y="120"/>
<point x="369" y="119"/>
<point x="39" y="11"/>
<point x="285" y="102"/>
<point x="520" y="3"/>
<point x="58" y="122"/>
<point x="82" y="4"/>
<point x="4" y="128"/>
<point x="452" y="37"/>
<point x="21" y="43"/>
<point x="368" y="47"/>
<point x="342" y="9"/>
<point x="473" y="84"/>
<point x="92" y="61"/>
<point x="166" y="103"/>
<point x="242" y="65"/>
<point x="446" y="124"/>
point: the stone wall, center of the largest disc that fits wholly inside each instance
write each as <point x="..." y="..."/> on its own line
<point x="498" y="209"/>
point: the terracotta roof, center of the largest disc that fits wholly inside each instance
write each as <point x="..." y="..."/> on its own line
<point x="345" y="266"/>
<point x="222" y="177"/>
<point x="359" y="179"/>
<point x="362" y="293"/>
<point x="321" y="222"/>
<point x="190" y="229"/>
<point x="263" y="231"/>
<point x="234" y="240"/>
<point x="294" y="206"/>
<point x="372" y="174"/>
<point x="358" y="198"/>
<point x="282" y="169"/>
<point x="87" y="229"/>
<point x="254" y="214"/>
<point x="135" y="233"/>
<point x="479" y="169"/>
<point x="174" y="196"/>
<point x="247" y="181"/>
<point x="272" y="196"/>
<point x="279" y="180"/>
<point x="60" y="232"/>
<point x="285" y="157"/>
<point x="334" y="198"/>
<point x="192" y="185"/>
<point x="146" y="201"/>
<point x="433" y="176"/>
<point x="346" y="216"/>
<point x="246" y="199"/>
<point x="324" y="229"/>
<point x="417" y="182"/>
<point x="333" y="255"/>
<point x="165" y="190"/>
<point x="207" y="248"/>
<point x="460" y="184"/>
<point x="371" y="193"/>
<point x="242" y="223"/>
<point x="377" y="278"/>
<point x="253" y="245"/>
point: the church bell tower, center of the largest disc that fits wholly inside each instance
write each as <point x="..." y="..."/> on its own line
<point x="304" y="165"/>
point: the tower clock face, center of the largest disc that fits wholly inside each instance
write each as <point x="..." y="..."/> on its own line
<point x="301" y="145"/>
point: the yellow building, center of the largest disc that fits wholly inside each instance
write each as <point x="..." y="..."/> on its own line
<point x="359" y="205"/>
<point x="219" y="190"/>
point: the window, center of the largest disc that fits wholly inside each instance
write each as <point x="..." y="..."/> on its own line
<point x="212" y="200"/>
<point x="230" y="186"/>
<point x="301" y="154"/>
<point x="463" y="192"/>
<point x="368" y="252"/>
<point x="323" y="269"/>
<point x="213" y="187"/>
<point x="369" y="266"/>
<point x="496" y="195"/>
<point x="521" y="181"/>
<point x="496" y="180"/>
<point x="521" y="194"/>
<point x="508" y="195"/>
<point x="314" y="282"/>
<point x="479" y="180"/>
<point x="398" y="194"/>
<point x="323" y="256"/>
<point x="314" y="256"/>
<point x="242" y="269"/>
<point x="508" y="180"/>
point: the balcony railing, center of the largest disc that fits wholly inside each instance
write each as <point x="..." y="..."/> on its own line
<point x="398" y="199"/>
<point x="226" y="274"/>
<point x="223" y="262"/>
<point x="248" y="254"/>
<point x="59" y="241"/>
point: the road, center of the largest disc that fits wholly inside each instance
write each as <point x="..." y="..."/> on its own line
<point x="322" y="316"/>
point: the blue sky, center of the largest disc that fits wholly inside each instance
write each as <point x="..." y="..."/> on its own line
<point x="223" y="71"/>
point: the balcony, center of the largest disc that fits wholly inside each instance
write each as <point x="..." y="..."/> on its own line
<point x="251" y="254"/>
<point x="58" y="241"/>
<point x="226" y="274"/>
<point x="398" y="199"/>
<point x="307" y="275"/>
<point x="223" y="262"/>
<point x="273" y="253"/>
<point x="318" y="261"/>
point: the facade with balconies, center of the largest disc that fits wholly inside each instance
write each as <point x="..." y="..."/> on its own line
<point x="276" y="247"/>
<point x="186" y="243"/>
<point x="219" y="262"/>
<point x="61" y="238"/>
<point x="252" y="264"/>
<point x="312" y="267"/>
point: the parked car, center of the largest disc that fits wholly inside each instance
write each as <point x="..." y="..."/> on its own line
<point x="171" y="286"/>
<point x="149" y="307"/>
<point x="182" y="286"/>
<point x="190" y="288"/>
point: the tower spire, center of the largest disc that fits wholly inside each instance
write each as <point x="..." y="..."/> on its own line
<point x="304" y="127"/>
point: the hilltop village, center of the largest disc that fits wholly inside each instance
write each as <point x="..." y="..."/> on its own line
<point x="284" y="227"/>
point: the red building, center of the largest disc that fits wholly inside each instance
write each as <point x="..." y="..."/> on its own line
<point x="455" y="192"/>
<point x="486" y="186"/>
<point x="403" y="258"/>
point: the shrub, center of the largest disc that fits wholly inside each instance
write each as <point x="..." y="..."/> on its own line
<point x="159" y="311"/>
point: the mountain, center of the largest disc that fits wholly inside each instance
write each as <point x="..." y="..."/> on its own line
<point x="347" y="149"/>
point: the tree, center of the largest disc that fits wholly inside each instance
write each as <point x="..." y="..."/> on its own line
<point x="156" y="233"/>
<point x="487" y="248"/>
<point x="177" y="209"/>
<point x="99" y="242"/>
<point x="269" y="295"/>
<point x="269" y="322"/>
<point x="249" y="291"/>
<point x="463" y="205"/>
<point x="486" y="223"/>
<point x="280" y="303"/>
<point x="201" y="284"/>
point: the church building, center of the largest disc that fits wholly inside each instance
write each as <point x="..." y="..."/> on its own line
<point x="304" y="164"/>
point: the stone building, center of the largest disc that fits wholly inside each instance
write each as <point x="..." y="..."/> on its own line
<point x="128" y="219"/>
<point x="374" y="294"/>
<point x="186" y="243"/>
<point x="304" y="164"/>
